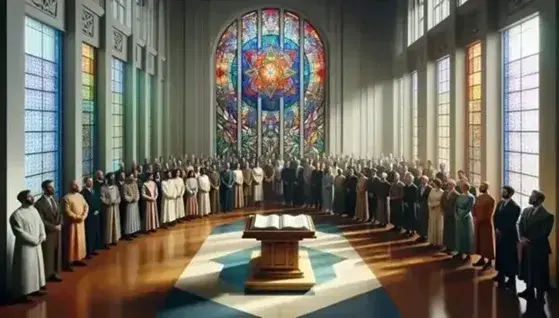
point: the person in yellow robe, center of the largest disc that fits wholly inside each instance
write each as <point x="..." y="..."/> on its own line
<point x="238" y="196"/>
<point x="75" y="213"/>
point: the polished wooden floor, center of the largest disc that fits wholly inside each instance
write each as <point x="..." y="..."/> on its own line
<point x="133" y="278"/>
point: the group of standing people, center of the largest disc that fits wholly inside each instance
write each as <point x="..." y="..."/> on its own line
<point x="415" y="199"/>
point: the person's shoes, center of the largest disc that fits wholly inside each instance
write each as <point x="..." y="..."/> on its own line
<point x="39" y="293"/>
<point x="79" y="263"/>
<point x="481" y="262"/>
<point x="55" y="279"/>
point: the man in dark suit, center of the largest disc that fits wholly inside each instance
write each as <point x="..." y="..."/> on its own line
<point x="351" y="195"/>
<point x="534" y="226"/>
<point x="47" y="206"/>
<point x="93" y="235"/>
<point x="506" y="238"/>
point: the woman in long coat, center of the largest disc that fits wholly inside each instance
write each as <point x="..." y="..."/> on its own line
<point x="464" y="222"/>
<point x="436" y="219"/>
<point x="339" y="193"/>
<point x="191" y="194"/>
<point x="327" y="191"/>
<point x="150" y="194"/>
<point x="449" y="207"/>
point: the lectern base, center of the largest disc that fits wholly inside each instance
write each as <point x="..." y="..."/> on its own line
<point x="257" y="282"/>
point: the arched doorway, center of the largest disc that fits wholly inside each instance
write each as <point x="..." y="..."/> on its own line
<point x="270" y="86"/>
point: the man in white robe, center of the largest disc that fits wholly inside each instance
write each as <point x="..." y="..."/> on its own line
<point x="258" y="177"/>
<point x="168" y="205"/>
<point x="204" y="187"/>
<point x="28" y="266"/>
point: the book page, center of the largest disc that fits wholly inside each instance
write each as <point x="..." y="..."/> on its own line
<point x="260" y="222"/>
<point x="263" y="222"/>
<point x="297" y="222"/>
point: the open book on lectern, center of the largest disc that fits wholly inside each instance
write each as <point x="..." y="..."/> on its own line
<point x="281" y="222"/>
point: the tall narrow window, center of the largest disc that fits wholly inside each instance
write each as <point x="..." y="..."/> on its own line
<point x="400" y="87"/>
<point x="474" y="114"/>
<point x="521" y="108"/>
<point x="415" y="20"/>
<point x="118" y="111"/>
<point x="443" y="110"/>
<point x="43" y="133"/>
<point x="440" y="10"/>
<point x="119" y="11"/>
<point x="152" y="133"/>
<point x="89" y="110"/>
<point x="415" y="115"/>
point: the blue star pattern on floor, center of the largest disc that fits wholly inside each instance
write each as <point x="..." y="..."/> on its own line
<point x="212" y="285"/>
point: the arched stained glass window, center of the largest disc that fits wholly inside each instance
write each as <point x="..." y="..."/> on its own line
<point x="270" y="86"/>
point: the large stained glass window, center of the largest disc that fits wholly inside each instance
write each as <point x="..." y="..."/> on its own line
<point x="400" y="107"/>
<point x="118" y="69"/>
<point x="89" y="110"/>
<point x="270" y="93"/>
<point x="43" y="104"/>
<point x="443" y="111"/>
<point x="415" y="115"/>
<point x="521" y="108"/>
<point x="474" y="113"/>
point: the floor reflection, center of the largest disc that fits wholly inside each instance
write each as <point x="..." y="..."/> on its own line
<point x="133" y="278"/>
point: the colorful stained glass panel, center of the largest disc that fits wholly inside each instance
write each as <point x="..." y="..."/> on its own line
<point x="521" y="108"/>
<point x="118" y="68"/>
<point x="43" y="134"/>
<point x="89" y="110"/>
<point x="272" y="72"/>
<point x="443" y="111"/>
<point x="475" y="132"/>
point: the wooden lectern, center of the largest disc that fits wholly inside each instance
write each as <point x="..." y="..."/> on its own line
<point x="279" y="266"/>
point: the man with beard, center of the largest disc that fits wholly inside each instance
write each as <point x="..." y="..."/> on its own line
<point x="75" y="213"/>
<point x="93" y="236"/>
<point x="534" y="226"/>
<point x="506" y="214"/>
<point x="49" y="211"/>
<point x="28" y="276"/>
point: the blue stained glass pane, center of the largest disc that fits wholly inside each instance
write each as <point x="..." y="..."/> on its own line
<point x="33" y="82"/>
<point x="33" y="100"/>
<point x="33" y="182"/>
<point x="33" y="120"/>
<point x="33" y="65"/>
<point x="33" y="164"/>
<point x="49" y="69"/>
<point x="50" y="121"/>
<point x="50" y="161"/>
<point x="50" y="101"/>
<point x="50" y="141"/>
<point x="33" y="141"/>
<point x="49" y="84"/>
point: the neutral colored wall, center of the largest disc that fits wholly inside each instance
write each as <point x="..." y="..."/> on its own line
<point x="69" y="19"/>
<point x="358" y="57"/>
<point x="482" y="20"/>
